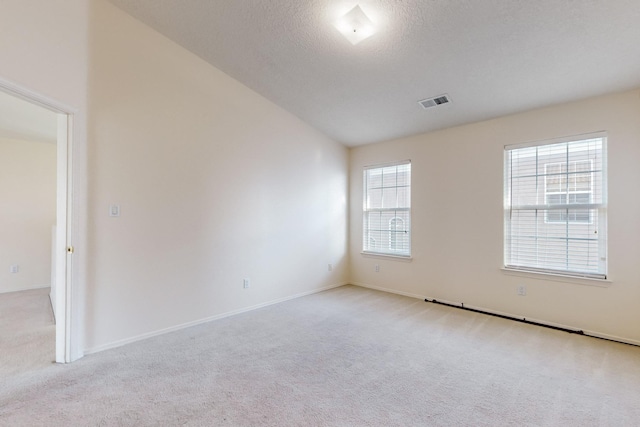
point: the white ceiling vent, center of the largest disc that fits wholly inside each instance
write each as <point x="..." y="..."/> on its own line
<point x="432" y="102"/>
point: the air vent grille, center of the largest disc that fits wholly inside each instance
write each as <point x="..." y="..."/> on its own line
<point x="433" y="102"/>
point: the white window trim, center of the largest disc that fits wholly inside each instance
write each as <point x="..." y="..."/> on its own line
<point x="384" y="255"/>
<point x="565" y="278"/>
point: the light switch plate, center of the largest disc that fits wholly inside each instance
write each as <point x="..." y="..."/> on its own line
<point x="114" y="210"/>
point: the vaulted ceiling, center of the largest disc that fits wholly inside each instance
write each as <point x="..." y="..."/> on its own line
<point x="492" y="57"/>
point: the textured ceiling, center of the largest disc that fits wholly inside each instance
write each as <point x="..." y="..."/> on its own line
<point x="493" y="57"/>
<point x="20" y="119"/>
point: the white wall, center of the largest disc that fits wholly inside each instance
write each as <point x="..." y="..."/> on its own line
<point x="27" y="212"/>
<point x="215" y="184"/>
<point x="457" y="247"/>
<point x="44" y="49"/>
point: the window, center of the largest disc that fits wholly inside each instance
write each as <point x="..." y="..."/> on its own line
<point x="387" y="209"/>
<point x="555" y="207"/>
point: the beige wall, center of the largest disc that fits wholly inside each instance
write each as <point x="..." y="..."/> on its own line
<point x="44" y="47"/>
<point x="214" y="182"/>
<point x="27" y="212"/>
<point x="457" y="218"/>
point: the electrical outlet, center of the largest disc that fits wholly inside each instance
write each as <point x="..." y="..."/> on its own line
<point x="14" y="269"/>
<point x="377" y="268"/>
<point x="330" y="267"/>
<point x="522" y="290"/>
<point x="246" y="283"/>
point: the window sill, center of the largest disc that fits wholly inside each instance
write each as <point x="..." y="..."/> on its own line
<point x="601" y="283"/>
<point x="406" y="258"/>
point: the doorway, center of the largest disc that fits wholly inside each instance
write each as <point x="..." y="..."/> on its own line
<point x="34" y="119"/>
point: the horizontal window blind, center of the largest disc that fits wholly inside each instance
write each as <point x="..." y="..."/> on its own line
<point x="555" y="207"/>
<point x="387" y="209"/>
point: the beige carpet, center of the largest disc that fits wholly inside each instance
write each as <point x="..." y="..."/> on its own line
<point x="345" y="357"/>
<point x="27" y="331"/>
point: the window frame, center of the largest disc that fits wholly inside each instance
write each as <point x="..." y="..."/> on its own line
<point x="385" y="249"/>
<point x="597" y="212"/>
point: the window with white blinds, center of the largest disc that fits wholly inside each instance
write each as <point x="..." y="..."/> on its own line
<point x="555" y="207"/>
<point x="387" y="209"/>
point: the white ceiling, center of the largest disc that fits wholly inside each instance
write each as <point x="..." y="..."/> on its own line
<point x="493" y="57"/>
<point x="20" y="119"/>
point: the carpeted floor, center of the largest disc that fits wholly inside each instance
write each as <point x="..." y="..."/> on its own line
<point x="27" y="332"/>
<point x="345" y="357"/>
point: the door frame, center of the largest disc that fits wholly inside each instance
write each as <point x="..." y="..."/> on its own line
<point x="66" y="336"/>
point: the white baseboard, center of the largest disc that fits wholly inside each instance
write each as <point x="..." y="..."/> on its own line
<point x="589" y="333"/>
<point x="144" y="336"/>
<point x="28" y="288"/>
<point x="391" y="291"/>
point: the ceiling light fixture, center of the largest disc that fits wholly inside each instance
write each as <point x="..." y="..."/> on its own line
<point x="355" y="25"/>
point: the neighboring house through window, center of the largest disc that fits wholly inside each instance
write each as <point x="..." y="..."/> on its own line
<point x="570" y="186"/>
<point x="387" y="209"/>
<point x="555" y="206"/>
